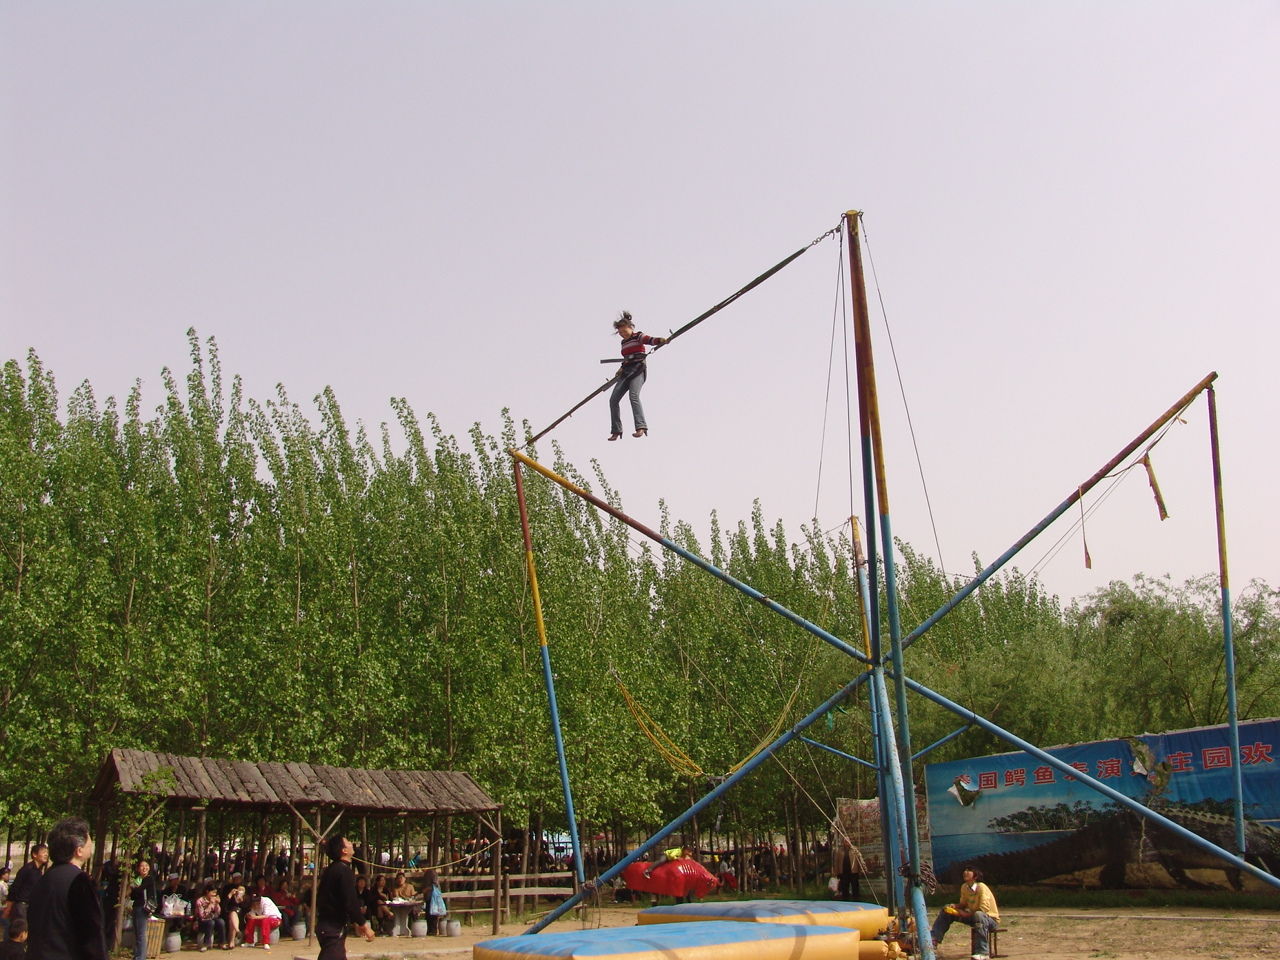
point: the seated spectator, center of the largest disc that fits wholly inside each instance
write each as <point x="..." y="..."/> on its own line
<point x="382" y="917"/>
<point x="976" y="908"/>
<point x="304" y="903"/>
<point x="365" y="895"/>
<point x="263" y="917"/>
<point x="286" y="901"/>
<point x="209" y="919"/>
<point x="233" y="904"/>
<point x="405" y="891"/>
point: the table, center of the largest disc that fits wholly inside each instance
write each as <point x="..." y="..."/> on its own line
<point x="402" y="909"/>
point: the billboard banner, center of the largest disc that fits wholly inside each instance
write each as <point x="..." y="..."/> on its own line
<point x="1022" y="821"/>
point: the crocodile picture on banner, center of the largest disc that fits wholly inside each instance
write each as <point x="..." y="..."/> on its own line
<point x="1022" y="822"/>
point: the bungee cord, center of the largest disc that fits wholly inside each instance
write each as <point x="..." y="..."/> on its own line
<point x="680" y="332"/>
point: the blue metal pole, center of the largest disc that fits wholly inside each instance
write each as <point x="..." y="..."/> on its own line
<point x="894" y="799"/>
<point x="693" y="558"/>
<point x="710" y="798"/>
<point x="881" y="719"/>
<point x="838" y="753"/>
<point x="1228" y="639"/>
<point x="906" y="786"/>
<point x="874" y="468"/>
<point x="547" y="677"/>
<point x="937" y="743"/>
<point x="1058" y="511"/>
<point x="878" y="707"/>
<point x="564" y="767"/>
<point x="1109" y="792"/>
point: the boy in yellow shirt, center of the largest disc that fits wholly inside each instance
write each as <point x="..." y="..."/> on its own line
<point x="977" y="908"/>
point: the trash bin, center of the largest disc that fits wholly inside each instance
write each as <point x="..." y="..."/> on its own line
<point x="155" y="935"/>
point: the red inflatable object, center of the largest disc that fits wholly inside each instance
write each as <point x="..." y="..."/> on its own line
<point x="671" y="878"/>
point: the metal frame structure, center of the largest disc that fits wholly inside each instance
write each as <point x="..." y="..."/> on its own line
<point x="893" y="756"/>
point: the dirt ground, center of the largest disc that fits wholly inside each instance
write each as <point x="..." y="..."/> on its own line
<point x="1147" y="934"/>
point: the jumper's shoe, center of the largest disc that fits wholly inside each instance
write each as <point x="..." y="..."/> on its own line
<point x="642" y="432"/>
<point x="615" y="436"/>
<point x="979" y="956"/>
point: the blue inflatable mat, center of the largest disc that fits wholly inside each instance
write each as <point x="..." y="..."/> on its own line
<point x="869" y="919"/>
<point x="702" y="940"/>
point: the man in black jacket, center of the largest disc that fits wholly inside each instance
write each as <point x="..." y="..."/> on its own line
<point x="65" y="914"/>
<point x="27" y="878"/>
<point x="337" y="903"/>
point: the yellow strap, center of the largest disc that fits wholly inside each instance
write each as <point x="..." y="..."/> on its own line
<point x="665" y="746"/>
<point x="672" y="753"/>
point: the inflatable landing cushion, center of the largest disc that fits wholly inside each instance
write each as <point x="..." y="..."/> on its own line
<point x="707" y="940"/>
<point x="867" y="918"/>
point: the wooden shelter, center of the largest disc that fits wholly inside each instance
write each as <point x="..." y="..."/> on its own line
<point x="315" y="796"/>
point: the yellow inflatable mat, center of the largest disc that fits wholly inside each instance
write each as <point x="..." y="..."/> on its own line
<point x="704" y="940"/>
<point x="867" y="918"/>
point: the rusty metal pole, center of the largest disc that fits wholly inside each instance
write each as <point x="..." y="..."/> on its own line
<point x="904" y="800"/>
<point x="1228" y="641"/>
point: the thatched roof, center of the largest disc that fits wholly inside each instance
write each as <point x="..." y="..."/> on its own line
<point x="207" y="781"/>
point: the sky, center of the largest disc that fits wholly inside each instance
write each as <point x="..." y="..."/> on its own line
<point x="1070" y="210"/>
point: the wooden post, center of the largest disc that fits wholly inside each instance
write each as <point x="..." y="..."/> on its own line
<point x="100" y="846"/>
<point x="201" y="841"/>
<point x="262" y="865"/>
<point x="447" y="840"/>
<point x="315" y="877"/>
<point x="496" y="855"/>
<point x="180" y="844"/>
<point x="295" y="856"/>
<point x="223" y="872"/>
<point x="364" y="847"/>
<point x="524" y="865"/>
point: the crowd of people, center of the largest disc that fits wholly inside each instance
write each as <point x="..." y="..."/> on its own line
<point x="56" y="912"/>
<point x="213" y="914"/>
<point x="216" y="915"/>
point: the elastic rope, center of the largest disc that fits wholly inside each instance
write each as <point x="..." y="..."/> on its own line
<point x="915" y="446"/>
<point x="831" y="353"/>
<point x="687" y="327"/>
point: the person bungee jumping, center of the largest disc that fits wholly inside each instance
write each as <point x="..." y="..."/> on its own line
<point x="631" y="377"/>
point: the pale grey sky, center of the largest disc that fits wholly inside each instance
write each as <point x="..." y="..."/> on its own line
<point x="1072" y="209"/>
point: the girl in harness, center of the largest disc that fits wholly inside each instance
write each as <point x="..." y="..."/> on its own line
<point x="631" y="377"/>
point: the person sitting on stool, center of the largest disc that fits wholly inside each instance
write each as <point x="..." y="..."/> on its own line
<point x="977" y="908"/>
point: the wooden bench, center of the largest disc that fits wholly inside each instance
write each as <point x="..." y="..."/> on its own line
<point x="469" y="894"/>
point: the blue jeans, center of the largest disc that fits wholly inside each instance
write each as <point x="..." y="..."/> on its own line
<point x="211" y="928"/>
<point x="140" y="917"/>
<point x="627" y="383"/>
<point x="981" y="923"/>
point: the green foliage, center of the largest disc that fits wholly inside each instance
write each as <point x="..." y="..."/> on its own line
<point x="234" y="577"/>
